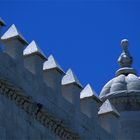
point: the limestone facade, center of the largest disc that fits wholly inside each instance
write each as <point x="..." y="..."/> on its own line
<point x="39" y="101"/>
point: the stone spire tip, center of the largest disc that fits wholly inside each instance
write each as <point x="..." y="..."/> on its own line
<point x="124" y="43"/>
<point x="125" y="60"/>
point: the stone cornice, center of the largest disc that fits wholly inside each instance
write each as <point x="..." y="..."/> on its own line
<point x="125" y="93"/>
<point x="37" y="111"/>
<point x="125" y="100"/>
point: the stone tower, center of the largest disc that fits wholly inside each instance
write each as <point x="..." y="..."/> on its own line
<point x="123" y="91"/>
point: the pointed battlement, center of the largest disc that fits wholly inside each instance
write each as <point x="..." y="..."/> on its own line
<point x="89" y="92"/>
<point x="41" y="87"/>
<point x="109" y="117"/>
<point x="71" y="88"/>
<point x="52" y="64"/>
<point x="90" y="102"/>
<point x="14" y="44"/>
<point x="107" y="107"/>
<point x="33" y="49"/>
<point x="34" y="59"/>
<point x="53" y="74"/>
<point x="70" y="78"/>
<point x="13" y="33"/>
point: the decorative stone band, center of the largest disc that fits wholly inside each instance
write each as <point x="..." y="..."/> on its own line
<point x="36" y="110"/>
<point x="126" y="71"/>
<point x="125" y="100"/>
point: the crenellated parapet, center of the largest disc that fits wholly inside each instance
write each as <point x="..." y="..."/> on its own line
<point x="71" y="88"/>
<point x="34" y="59"/>
<point x="53" y="74"/>
<point x="90" y="102"/>
<point x="109" y="118"/>
<point x="14" y="44"/>
<point x="39" y="86"/>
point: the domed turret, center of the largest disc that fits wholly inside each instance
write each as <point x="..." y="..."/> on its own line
<point x="123" y="91"/>
<point x="126" y="79"/>
<point x="121" y="83"/>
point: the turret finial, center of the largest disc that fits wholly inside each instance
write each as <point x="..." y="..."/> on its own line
<point x="125" y="60"/>
<point x="124" y="43"/>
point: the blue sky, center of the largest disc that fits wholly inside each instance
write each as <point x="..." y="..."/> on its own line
<point x="82" y="35"/>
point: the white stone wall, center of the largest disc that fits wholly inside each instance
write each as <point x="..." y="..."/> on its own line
<point x="27" y="74"/>
<point x="16" y="124"/>
<point x="129" y="125"/>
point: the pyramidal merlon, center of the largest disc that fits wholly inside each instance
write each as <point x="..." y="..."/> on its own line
<point x="88" y="92"/>
<point x="52" y="64"/>
<point x="13" y="33"/>
<point x="70" y="78"/>
<point x="107" y="107"/>
<point x="33" y="49"/>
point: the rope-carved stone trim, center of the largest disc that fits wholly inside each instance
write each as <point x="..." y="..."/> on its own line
<point x="37" y="111"/>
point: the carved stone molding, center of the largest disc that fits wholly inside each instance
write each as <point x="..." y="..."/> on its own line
<point x="36" y="111"/>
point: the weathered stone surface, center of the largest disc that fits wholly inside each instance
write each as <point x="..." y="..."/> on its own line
<point x="33" y="49"/>
<point x="52" y="64"/>
<point x="107" y="107"/>
<point x="70" y="78"/>
<point x="121" y="83"/>
<point x="88" y="92"/>
<point x="41" y="107"/>
<point x="123" y="92"/>
<point x="12" y="33"/>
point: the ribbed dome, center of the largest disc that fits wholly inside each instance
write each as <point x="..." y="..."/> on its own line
<point x="121" y="83"/>
<point x="126" y="78"/>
